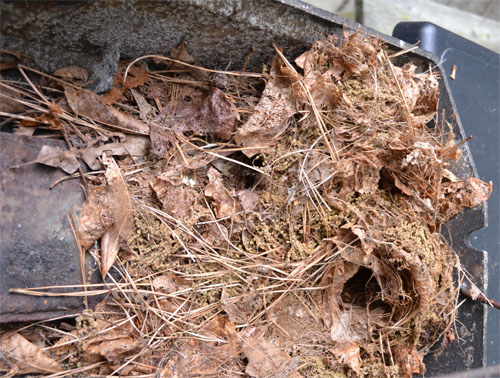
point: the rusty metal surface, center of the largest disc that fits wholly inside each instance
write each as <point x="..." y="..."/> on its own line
<point x="37" y="247"/>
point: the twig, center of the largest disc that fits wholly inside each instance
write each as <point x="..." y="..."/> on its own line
<point x="472" y="292"/>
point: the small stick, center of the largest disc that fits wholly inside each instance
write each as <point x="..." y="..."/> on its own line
<point x="472" y="292"/>
<point x="453" y="72"/>
<point x="81" y="252"/>
<point x="405" y="51"/>
<point x="407" y="108"/>
<point x="249" y="74"/>
<point x="248" y="59"/>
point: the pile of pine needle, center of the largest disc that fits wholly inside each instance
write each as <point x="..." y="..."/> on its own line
<point x="275" y="224"/>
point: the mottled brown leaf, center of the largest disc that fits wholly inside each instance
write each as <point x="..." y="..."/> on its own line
<point x="348" y="354"/>
<point x="270" y="117"/>
<point x="264" y="358"/>
<point x="121" y="208"/>
<point x="67" y="160"/>
<point x="409" y="360"/>
<point x="213" y="115"/>
<point x="26" y="356"/>
<point x="72" y="73"/>
<point x="225" y="204"/>
<point x="457" y="196"/>
<point x="107" y="214"/>
<point x="8" y="103"/>
<point x="89" y="104"/>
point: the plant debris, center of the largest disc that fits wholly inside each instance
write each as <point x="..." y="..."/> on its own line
<point x="283" y="224"/>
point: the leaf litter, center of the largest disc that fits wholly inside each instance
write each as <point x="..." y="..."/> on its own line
<point x="282" y="224"/>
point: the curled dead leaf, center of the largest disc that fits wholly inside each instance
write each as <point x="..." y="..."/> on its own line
<point x="72" y="73"/>
<point x="225" y="204"/>
<point x="270" y="117"/>
<point x="214" y="114"/>
<point x="458" y="195"/>
<point x="134" y="146"/>
<point x="122" y="208"/>
<point x="26" y="356"/>
<point x="409" y="360"/>
<point x="348" y="354"/>
<point x="9" y="103"/>
<point x="89" y="104"/>
<point x="264" y="358"/>
<point x="107" y="214"/>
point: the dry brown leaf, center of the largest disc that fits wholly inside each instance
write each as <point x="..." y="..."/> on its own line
<point x="136" y="77"/>
<point x="26" y="356"/>
<point x="225" y="204"/>
<point x="72" y="73"/>
<point x="457" y="196"/>
<point x="214" y="114"/>
<point x="8" y="103"/>
<point x="89" y="104"/>
<point x="264" y="358"/>
<point x="96" y="216"/>
<point x="177" y="200"/>
<point x="107" y="214"/>
<point x="270" y="117"/>
<point x="348" y="354"/>
<point x="134" y="146"/>
<point x="199" y="358"/>
<point x="240" y="308"/>
<point x="145" y="109"/>
<point x="121" y="208"/>
<point x="409" y="360"/>
<point x="178" y="53"/>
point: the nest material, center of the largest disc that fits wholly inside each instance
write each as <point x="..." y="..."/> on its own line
<point x="291" y="232"/>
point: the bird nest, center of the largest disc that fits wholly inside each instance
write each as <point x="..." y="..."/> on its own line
<point x="275" y="224"/>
